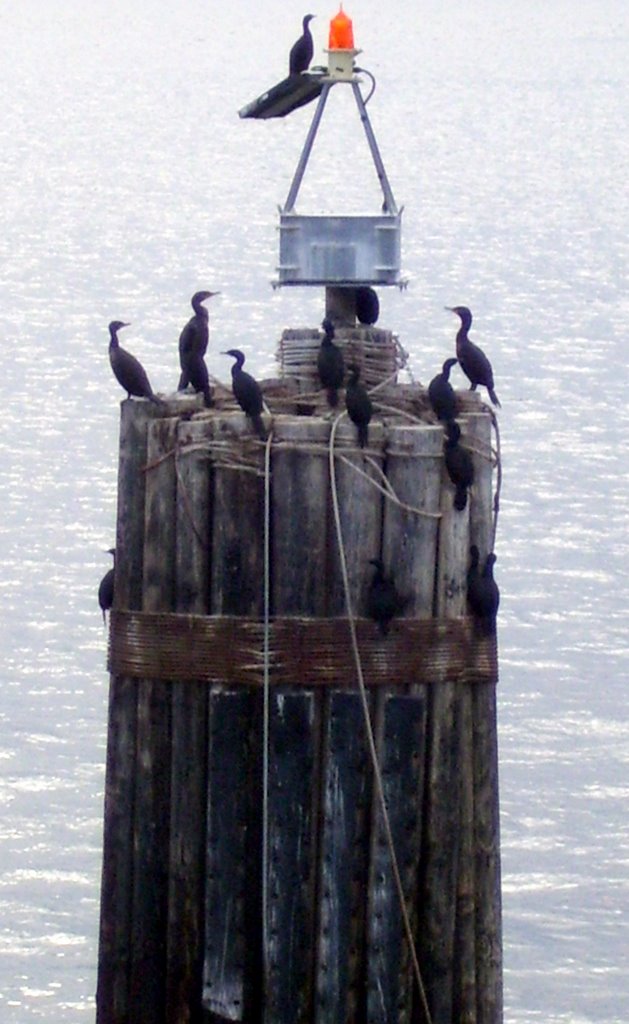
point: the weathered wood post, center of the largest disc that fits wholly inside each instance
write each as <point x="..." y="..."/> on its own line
<point x="191" y="816"/>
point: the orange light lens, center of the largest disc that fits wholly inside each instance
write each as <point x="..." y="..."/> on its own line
<point x="341" y="32"/>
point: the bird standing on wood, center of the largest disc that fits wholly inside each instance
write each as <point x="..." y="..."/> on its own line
<point x="367" y="305"/>
<point x="383" y="600"/>
<point x="459" y="465"/>
<point x="359" y="407"/>
<point x="472" y="359"/>
<point x="128" y="370"/>
<point x="483" y="595"/>
<point x="302" y="50"/>
<point x="194" y="336"/>
<point x="106" y="587"/>
<point x="441" y="393"/>
<point x="330" y="364"/>
<point x="247" y="392"/>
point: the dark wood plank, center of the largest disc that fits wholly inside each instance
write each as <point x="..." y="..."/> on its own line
<point x="441" y="856"/>
<point x="227" y="820"/>
<point x="112" y="996"/>
<point x="389" y="980"/>
<point x="291" y="876"/>
<point x="486" y="837"/>
<point x="360" y="513"/>
<point x="186" y="879"/>
<point x="233" y="960"/>
<point x="409" y="544"/>
<point x="343" y="862"/>
<point x="345" y="765"/>
<point x="300" y="486"/>
<point x="153" y="765"/>
<point x="300" y="493"/>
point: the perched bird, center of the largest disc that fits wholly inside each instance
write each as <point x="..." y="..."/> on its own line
<point x="472" y="359"/>
<point x="459" y="465"/>
<point x="359" y="407"/>
<point x="128" y="370"/>
<point x="483" y="595"/>
<point x="383" y="600"/>
<point x="194" y="336"/>
<point x="367" y="305"/>
<point x="106" y="587"/>
<point x="302" y="50"/>
<point x="441" y="393"/>
<point x="247" y="392"/>
<point x="196" y="371"/>
<point x="330" y="363"/>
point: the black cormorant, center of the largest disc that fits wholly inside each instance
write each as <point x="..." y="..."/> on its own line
<point x="197" y="374"/>
<point x="302" y="50"/>
<point x="194" y="337"/>
<point x="106" y="587"/>
<point x="472" y="359"/>
<point x="459" y="465"/>
<point x="383" y="600"/>
<point x="330" y="363"/>
<point x="359" y="407"/>
<point x="483" y="595"/>
<point x="367" y="306"/>
<point x="247" y="392"/>
<point x="128" y="370"/>
<point x="441" y="393"/>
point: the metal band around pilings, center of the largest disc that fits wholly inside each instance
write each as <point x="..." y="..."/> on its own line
<point x="304" y="652"/>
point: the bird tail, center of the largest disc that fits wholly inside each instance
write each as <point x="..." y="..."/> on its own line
<point x="184" y="380"/>
<point x="104" y="619"/>
<point x="363" y="434"/>
<point x="460" y="497"/>
<point x="488" y="625"/>
<point x="333" y="397"/>
<point x="259" y="426"/>
<point x="155" y="400"/>
<point x="207" y="398"/>
<point x="494" y="397"/>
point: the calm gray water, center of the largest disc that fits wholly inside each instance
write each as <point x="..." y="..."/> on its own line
<point x="128" y="182"/>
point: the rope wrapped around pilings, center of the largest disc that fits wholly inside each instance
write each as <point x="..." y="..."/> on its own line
<point x="303" y="652"/>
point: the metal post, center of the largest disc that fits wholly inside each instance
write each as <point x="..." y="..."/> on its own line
<point x="305" y="153"/>
<point x="389" y="202"/>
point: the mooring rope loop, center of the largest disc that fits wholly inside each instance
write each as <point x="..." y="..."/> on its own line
<point x="385" y="488"/>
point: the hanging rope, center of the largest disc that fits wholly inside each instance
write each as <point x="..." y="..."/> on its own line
<point x="494" y="421"/>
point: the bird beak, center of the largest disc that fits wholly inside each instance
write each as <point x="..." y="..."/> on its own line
<point x="449" y="309"/>
<point x="212" y="294"/>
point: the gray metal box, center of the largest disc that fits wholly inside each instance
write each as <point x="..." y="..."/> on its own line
<point x="340" y="250"/>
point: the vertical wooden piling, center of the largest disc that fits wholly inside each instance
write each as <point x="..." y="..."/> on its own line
<point x="442" y="835"/>
<point x="182" y="929"/>
<point x="232" y="975"/>
<point x="299" y="502"/>
<point x="186" y="873"/>
<point x="147" y="984"/>
<point x="409" y="543"/>
<point x="346" y="785"/>
<point x="112" y="1003"/>
<point x="488" y="902"/>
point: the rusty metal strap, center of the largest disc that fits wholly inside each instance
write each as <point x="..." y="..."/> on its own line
<point x="228" y="650"/>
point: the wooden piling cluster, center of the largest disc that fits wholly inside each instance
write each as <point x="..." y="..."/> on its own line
<point x="186" y="814"/>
